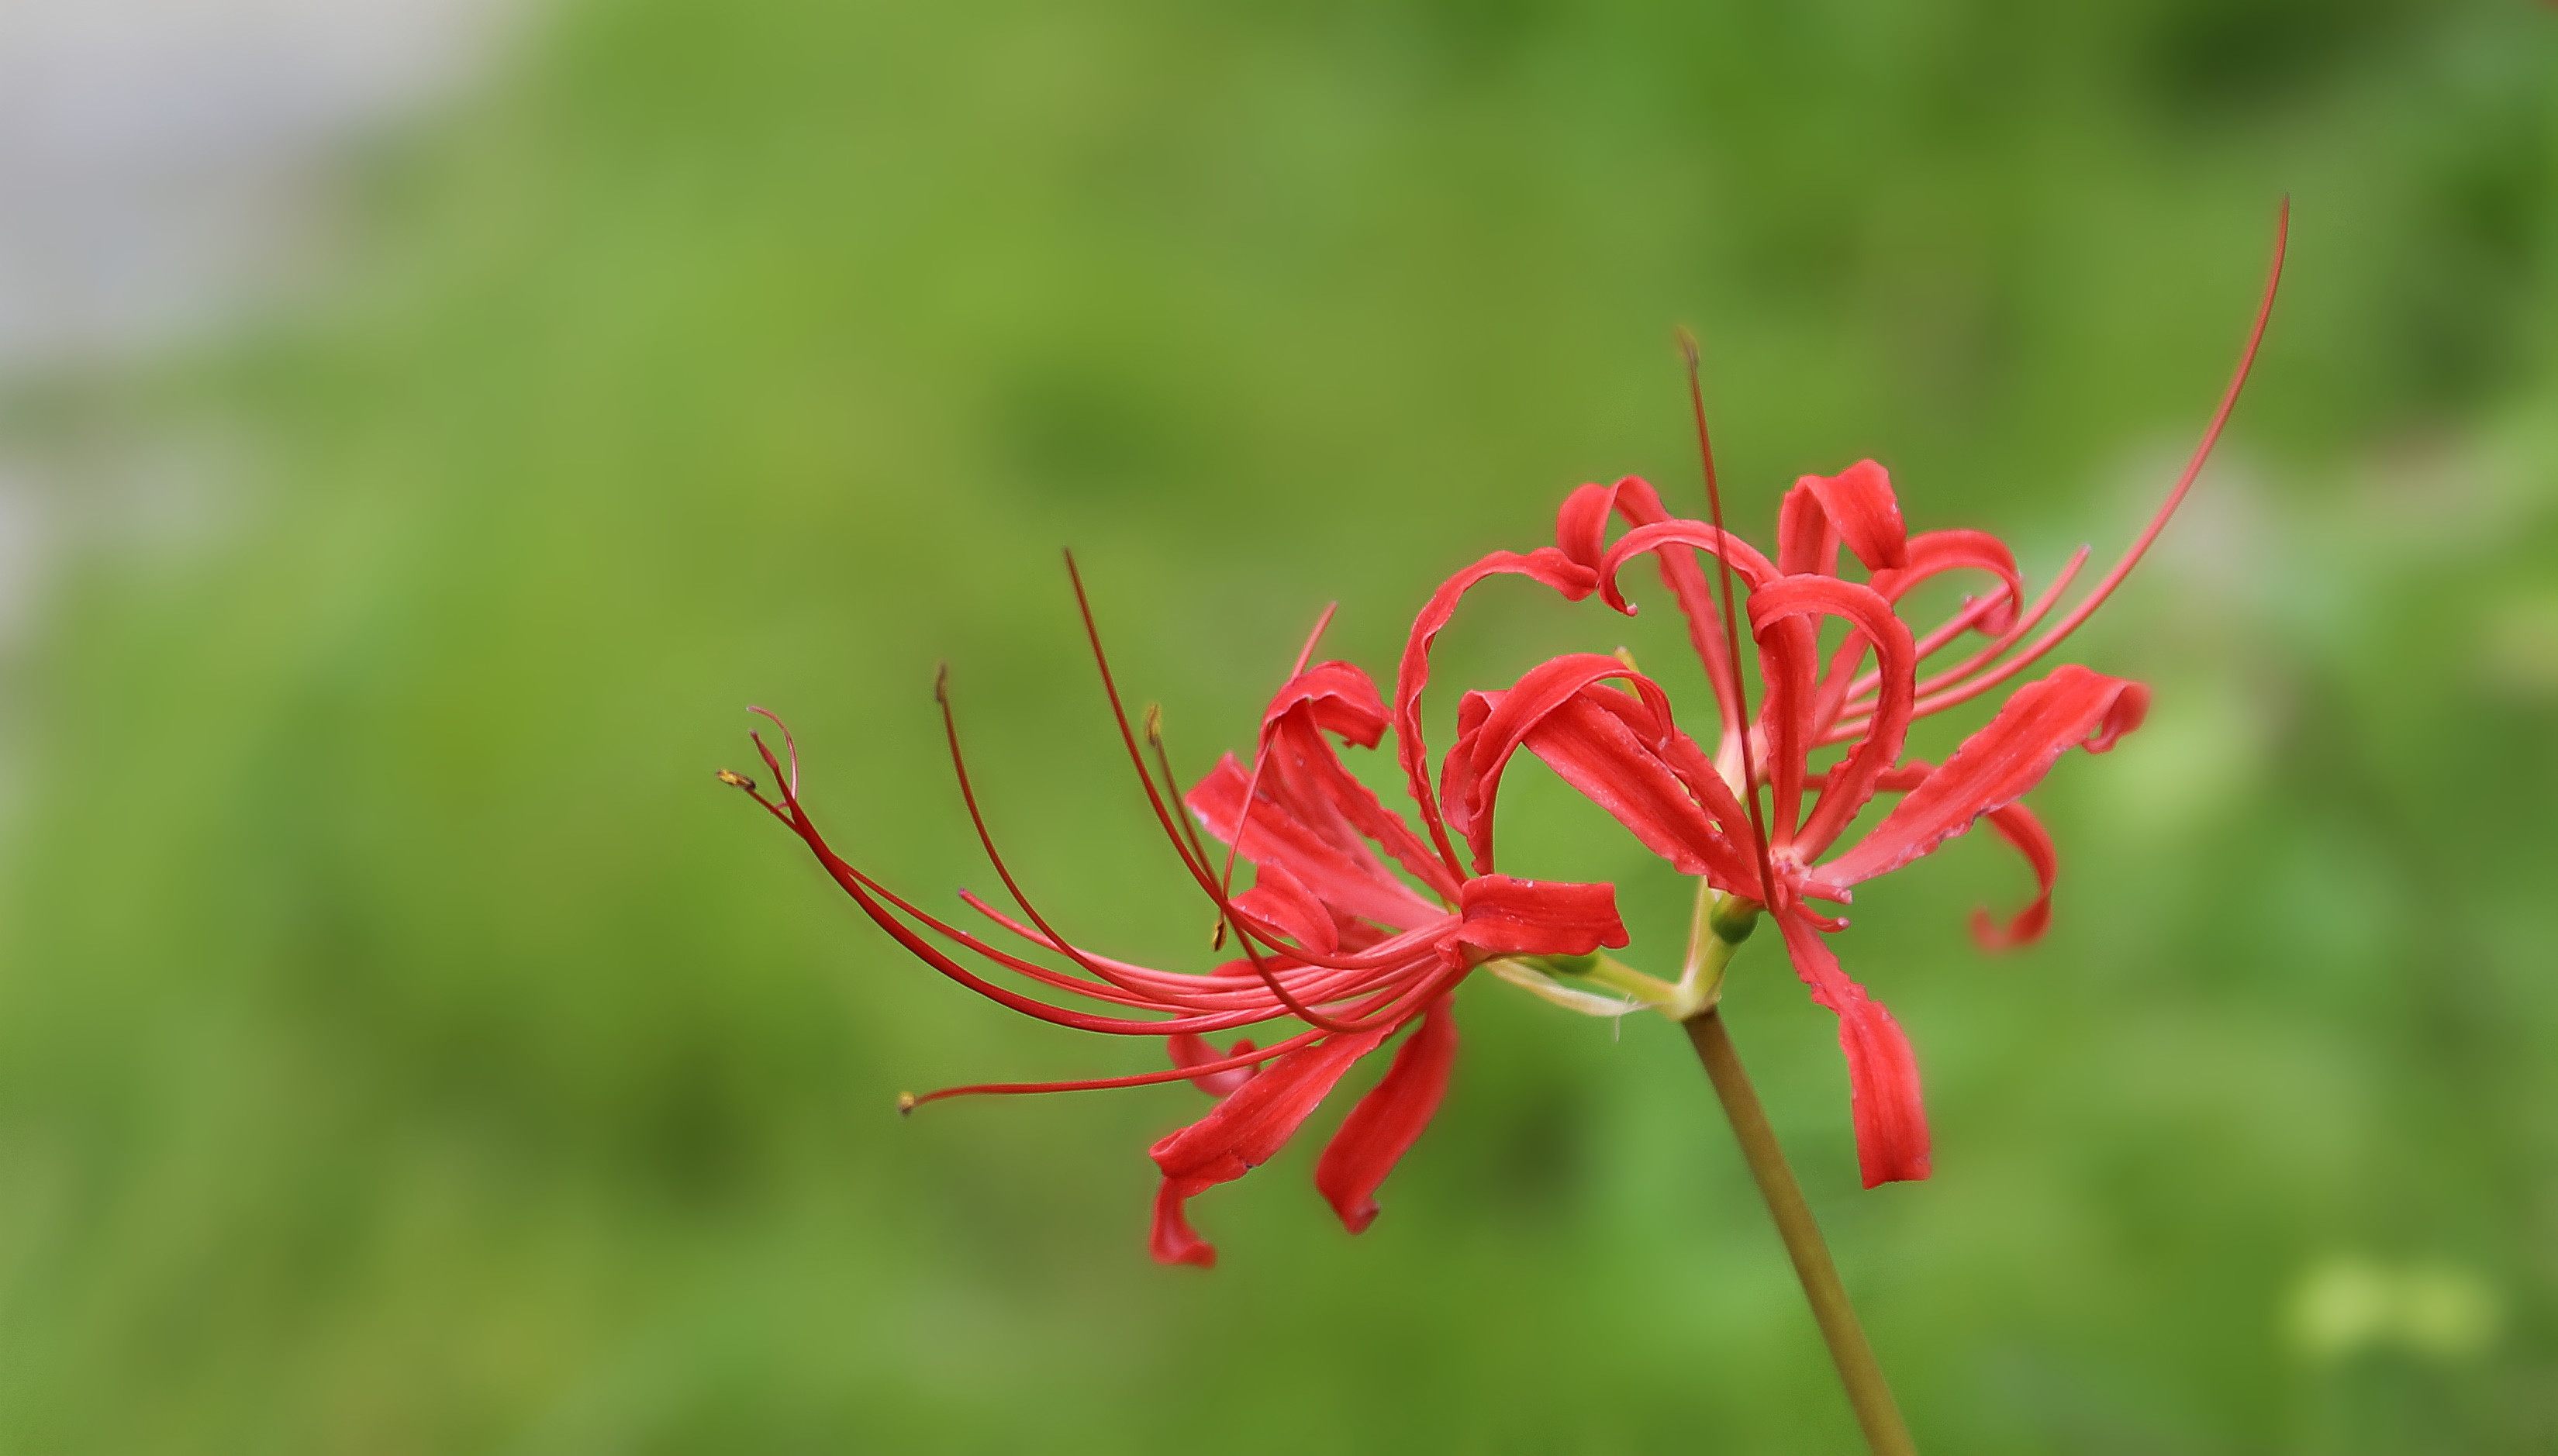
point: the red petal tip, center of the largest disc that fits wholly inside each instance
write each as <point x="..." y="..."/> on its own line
<point x="1172" y="1242"/>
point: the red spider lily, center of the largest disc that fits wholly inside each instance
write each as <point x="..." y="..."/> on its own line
<point x="1358" y="927"/>
<point x="1332" y="937"/>
<point x="1626" y="753"/>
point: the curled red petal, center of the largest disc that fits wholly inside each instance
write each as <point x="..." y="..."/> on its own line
<point x="1462" y="794"/>
<point x="1881" y="1072"/>
<point x="1378" y="1132"/>
<point x="1191" y="1049"/>
<point x="1860" y="504"/>
<point x="1753" y="569"/>
<point x="1904" y="775"/>
<point x="2122" y="714"/>
<point x="1548" y="565"/>
<point x="1808" y="544"/>
<point x="1490" y="728"/>
<point x="1666" y="793"/>
<point x="1297" y="768"/>
<point x="1313" y="779"/>
<point x="1508" y="916"/>
<point x="1581" y="523"/>
<point x="1283" y="900"/>
<point x="1790" y="671"/>
<point x="1781" y="614"/>
<point x="2018" y="826"/>
<point x="1580" y="530"/>
<point x="1172" y="1240"/>
<point x="1341" y="697"/>
<point x="1935" y="690"/>
<point x="1996" y="766"/>
<point x="1316" y="844"/>
<point x="1934" y="553"/>
<point x="1242" y="1132"/>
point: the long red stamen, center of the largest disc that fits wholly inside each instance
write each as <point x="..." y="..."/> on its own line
<point x="1198" y="867"/>
<point x="1215" y="891"/>
<point x="1306" y="653"/>
<point x="1190" y="822"/>
<point x="2184" y="482"/>
<point x="1731" y="620"/>
<point x="1119" y="714"/>
<point x="1260" y="748"/>
<point x="1411" y="1003"/>
<point x="869" y="895"/>
<point x="1314" y="980"/>
<point x="1225" y="880"/>
<point x="986" y="838"/>
<point x="1862" y="695"/>
<point x="790" y="779"/>
<point x="1164" y="765"/>
<point x="1253" y="1058"/>
<point x="1243" y="933"/>
<point x="1246" y="1000"/>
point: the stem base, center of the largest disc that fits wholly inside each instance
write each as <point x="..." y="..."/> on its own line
<point x="1876" y="1411"/>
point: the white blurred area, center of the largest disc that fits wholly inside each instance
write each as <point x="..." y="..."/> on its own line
<point x="166" y="171"/>
<point x="162" y="161"/>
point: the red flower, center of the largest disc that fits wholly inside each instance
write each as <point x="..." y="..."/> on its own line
<point x="1626" y="753"/>
<point x="1359" y="926"/>
<point x="1331" y="936"/>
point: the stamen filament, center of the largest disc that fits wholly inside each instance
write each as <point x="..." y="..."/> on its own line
<point x="985" y="837"/>
<point x="2105" y="588"/>
<point x="1216" y="892"/>
<point x="1860" y="706"/>
<point x="868" y="894"/>
<point x="1730" y="619"/>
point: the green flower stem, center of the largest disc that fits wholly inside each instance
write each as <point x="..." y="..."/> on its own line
<point x="1719" y="925"/>
<point x="1700" y="983"/>
<point x="1604" y="970"/>
<point x="1867" y="1392"/>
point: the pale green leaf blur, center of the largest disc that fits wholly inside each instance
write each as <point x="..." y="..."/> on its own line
<point x="407" y="1046"/>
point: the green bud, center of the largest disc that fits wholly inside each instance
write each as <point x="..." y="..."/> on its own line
<point x="1732" y="919"/>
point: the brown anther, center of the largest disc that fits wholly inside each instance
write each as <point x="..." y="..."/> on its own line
<point x="736" y="781"/>
<point x="1216" y="941"/>
<point x="941" y="684"/>
<point x="1155" y="724"/>
<point x="905" y="1103"/>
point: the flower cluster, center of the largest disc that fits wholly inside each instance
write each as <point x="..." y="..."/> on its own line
<point x="1355" y="927"/>
<point x="1625" y="751"/>
<point x="1359" y="924"/>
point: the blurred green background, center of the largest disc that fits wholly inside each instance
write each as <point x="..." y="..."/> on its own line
<point x="406" y="1045"/>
